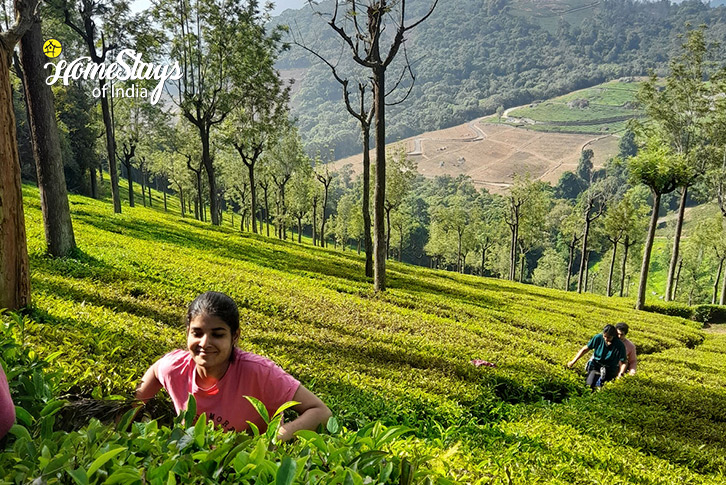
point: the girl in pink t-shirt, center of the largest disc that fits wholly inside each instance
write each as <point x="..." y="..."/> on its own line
<point x="219" y="375"/>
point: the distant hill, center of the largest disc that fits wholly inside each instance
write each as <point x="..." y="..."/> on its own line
<point x="282" y="5"/>
<point x="473" y="56"/>
<point x="548" y="144"/>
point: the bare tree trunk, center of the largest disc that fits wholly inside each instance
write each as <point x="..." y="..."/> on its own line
<point x="181" y="201"/>
<point x="583" y="260"/>
<point x="324" y="216"/>
<point x="211" y="178"/>
<point x="722" y="301"/>
<point x="54" y="205"/>
<point x="15" y="283"/>
<point x="570" y="261"/>
<point x="640" y="302"/>
<point x="315" y="221"/>
<point x="379" y="195"/>
<point x="166" y="209"/>
<point x="299" y="230"/>
<point x="678" y="278"/>
<point x="587" y="268"/>
<point x="676" y="245"/>
<point x="143" y="185"/>
<point x="715" y="283"/>
<point x="267" y="212"/>
<point x="110" y="148"/>
<point x="127" y="164"/>
<point x="368" y="241"/>
<point x="388" y="233"/>
<point x="514" y="229"/>
<point x="253" y="197"/>
<point x="624" y="263"/>
<point x="612" y="269"/>
<point x="94" y="183"/>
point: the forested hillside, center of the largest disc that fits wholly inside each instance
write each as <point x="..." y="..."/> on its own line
<point x="470" y="57"/>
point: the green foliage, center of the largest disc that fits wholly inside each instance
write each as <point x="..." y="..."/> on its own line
<point x="474" y="58"/>
<point x="709" y="313"/>
<point x="398" y="360"/>
<point x="671" y="308"/>
<point x="604" y="108"/>
<point x="186" y="452"/>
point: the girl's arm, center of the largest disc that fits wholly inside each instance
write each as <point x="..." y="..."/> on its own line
<point x="582" y="352"/>
<point x="312" y="412"/>
<point x="149" y="385"/>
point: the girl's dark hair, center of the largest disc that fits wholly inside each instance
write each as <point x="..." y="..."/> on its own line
<point x="215" y="304"/>
<point x="623" y="327"/>
<point x="610" y="331"/>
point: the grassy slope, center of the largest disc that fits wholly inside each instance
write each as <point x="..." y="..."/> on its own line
<point x="608" y="101"/>
<point x="402" y="357"/>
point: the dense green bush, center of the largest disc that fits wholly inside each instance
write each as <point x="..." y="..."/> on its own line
<point x="672" y="309"/>
<point x="709" y="313"/>
<point x="189" y="451"/>
<point x="397" y="360"/>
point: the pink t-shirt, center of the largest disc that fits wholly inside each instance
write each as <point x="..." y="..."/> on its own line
<point x="630" y="352"/>
<point x="224" y="403"/>
<point x="7" y="408"/>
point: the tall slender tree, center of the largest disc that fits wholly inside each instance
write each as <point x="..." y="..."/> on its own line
<point x="680" y="111"/>
<point x="59" y="237"/>
<point x="592" y="203"/>
<point x="661" y="170"/>
<point x="84" y="16"/>
<point x="361" y="111"/>
<point x="15" y="276"/>
<point x="374" y="32"/>
<point x="223" y="47"/>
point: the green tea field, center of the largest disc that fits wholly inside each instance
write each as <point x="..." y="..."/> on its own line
<point x="601" y="109"/>
<point x="393" y="367"/>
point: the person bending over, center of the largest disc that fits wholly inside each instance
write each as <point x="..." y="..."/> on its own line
<point x="622" y="329"/>
<point x="609" y="357"/>
<point x="219" y="375"/>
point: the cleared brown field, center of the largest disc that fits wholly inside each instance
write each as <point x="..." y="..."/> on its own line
<point x="491" y="154"/>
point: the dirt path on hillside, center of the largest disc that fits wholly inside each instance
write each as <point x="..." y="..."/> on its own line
<point x="478" y="135"/>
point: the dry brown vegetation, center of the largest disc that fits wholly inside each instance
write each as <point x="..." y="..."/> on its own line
<point x="491" y="154"/>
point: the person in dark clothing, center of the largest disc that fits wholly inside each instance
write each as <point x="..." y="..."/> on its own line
<point x="609" y="359"/>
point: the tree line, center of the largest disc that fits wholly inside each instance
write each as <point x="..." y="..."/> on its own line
<point x="225" y="144"/>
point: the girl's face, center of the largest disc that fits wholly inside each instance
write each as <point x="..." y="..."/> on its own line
<point x="608" y="338"/>
<point x="210" y="341"/>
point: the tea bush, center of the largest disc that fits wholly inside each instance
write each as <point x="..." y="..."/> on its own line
<point x="189" y="451"/>
<point x="401" y="358"/>
<point x="671" y="308"/>
<point x="709" y="313"/>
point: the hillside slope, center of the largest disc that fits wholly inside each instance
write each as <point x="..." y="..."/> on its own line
<point x="492" y="153"/>
<point x="400" y="357"/>
<point x="470" y="57"/>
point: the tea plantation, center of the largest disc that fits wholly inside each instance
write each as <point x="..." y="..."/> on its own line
<point x="394" y="368"/>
